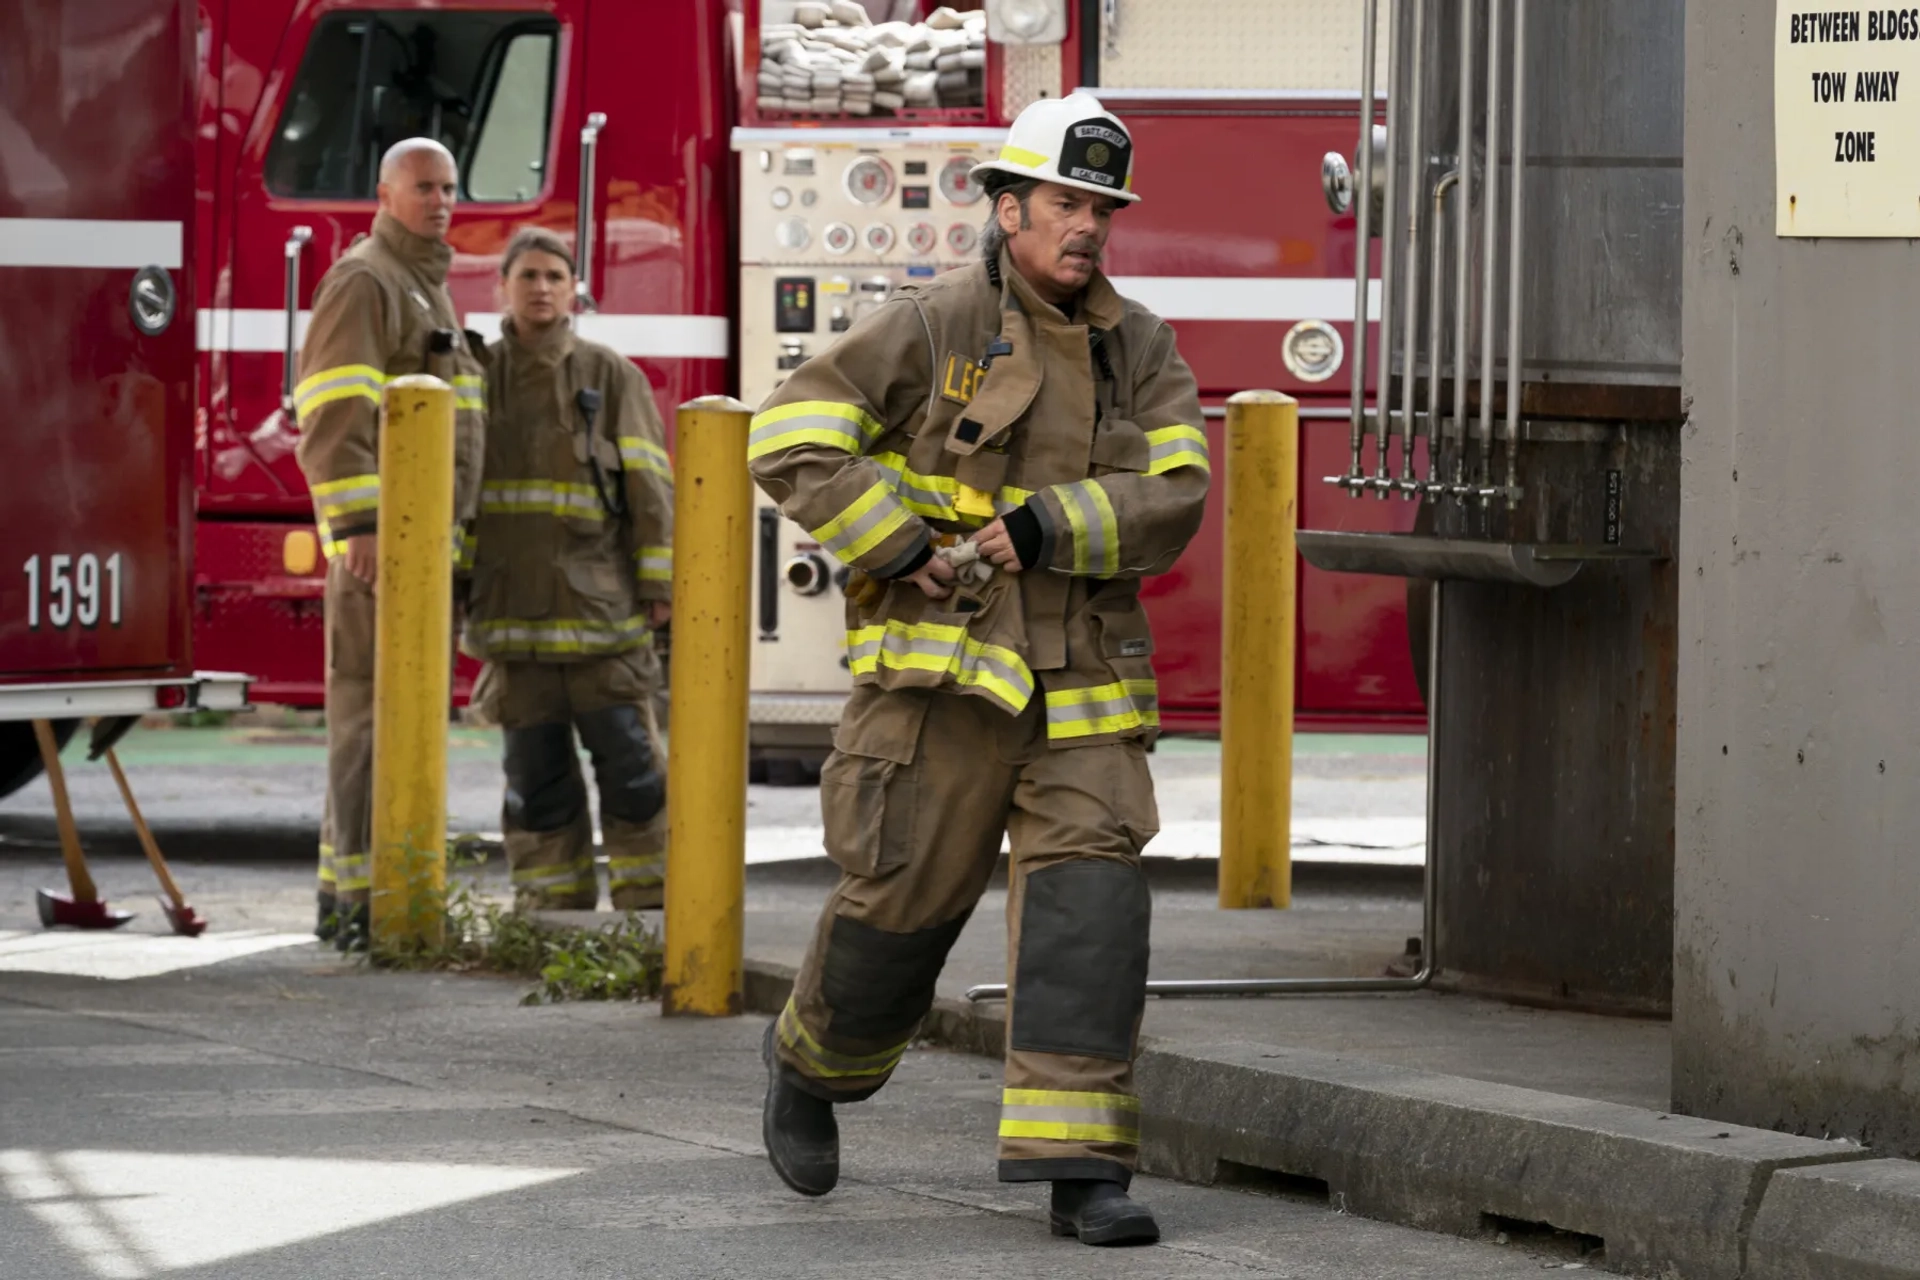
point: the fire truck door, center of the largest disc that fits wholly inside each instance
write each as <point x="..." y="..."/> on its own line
<point x="96" y="335"/>
<point x="351" y="80"/>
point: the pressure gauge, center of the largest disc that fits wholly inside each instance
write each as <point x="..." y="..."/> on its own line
<point x="792" y="233"/>
<point x="960" y="239"/>
<point x="870" y="180"/>
<point x="921" y="239"/>
<point x="956" y="182"/>
<point x="781" y="197"/>
<point x="879" y="238"/>
<point x="838" y="237"/>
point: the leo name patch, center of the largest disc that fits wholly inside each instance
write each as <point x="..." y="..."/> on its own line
<point x="960" y="379"/>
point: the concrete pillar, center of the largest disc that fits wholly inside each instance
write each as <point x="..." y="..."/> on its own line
<point x="1797" y="880"/>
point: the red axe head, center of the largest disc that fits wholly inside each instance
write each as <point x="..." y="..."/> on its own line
<point x="58" y="910"/>
<point x="184" y="919"/>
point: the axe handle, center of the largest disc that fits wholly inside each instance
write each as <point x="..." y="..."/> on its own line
<point x="79" y="881"/>
<point x="147" y="842"/>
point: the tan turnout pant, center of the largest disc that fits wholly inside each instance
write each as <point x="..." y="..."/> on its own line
<point x="608" y="702"/>
<point x="916" y="800"/>
<point x="346" y="822"/>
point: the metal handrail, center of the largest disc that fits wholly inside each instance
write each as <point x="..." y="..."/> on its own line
<point x="583" y="218"/>
<point x="297" y="240"/>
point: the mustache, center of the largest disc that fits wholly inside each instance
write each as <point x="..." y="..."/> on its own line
<point x="1082" y="244"/>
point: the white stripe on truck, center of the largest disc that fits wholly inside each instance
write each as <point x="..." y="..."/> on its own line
<point x="94" y="243"/>
<point x="263" y="331"/>
<point x="1246" y="297"/>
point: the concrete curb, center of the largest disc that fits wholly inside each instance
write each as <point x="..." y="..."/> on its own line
<point x="1850" y="1222"/>
<point x="1671" y="1195"/>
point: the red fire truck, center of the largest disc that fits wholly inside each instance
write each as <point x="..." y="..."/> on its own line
<point x="96" y="351"/>
<point x="612" y="122"/>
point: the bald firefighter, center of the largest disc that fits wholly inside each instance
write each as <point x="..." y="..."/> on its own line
<point x="573" y="570"/>
<point x="1001" y="455"/>
<point x="380" y="312"/>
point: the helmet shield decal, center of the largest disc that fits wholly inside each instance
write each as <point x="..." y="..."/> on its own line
<point x="1097" y="151"/>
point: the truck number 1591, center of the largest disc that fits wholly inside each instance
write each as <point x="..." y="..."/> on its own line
<point x="64" y="590"/>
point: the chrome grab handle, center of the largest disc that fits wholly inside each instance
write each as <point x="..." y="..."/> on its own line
<point x="1516" y="252"/>
<point x="1383" y="392"/>
<point x="583" y="225"/>
<point x="1490" y="255"/>
<point x="1410" y="317"/>
<point x="1363" y="246"/>
<point x="297" y="240"/>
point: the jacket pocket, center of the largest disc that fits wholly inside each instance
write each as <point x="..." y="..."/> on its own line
<point x="867" y="805"/>
<point x="1119" y="446"/>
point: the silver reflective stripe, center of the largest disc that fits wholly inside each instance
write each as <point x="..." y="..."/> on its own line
<point x="857" y="537"/>
<point x="523" y="497"/>
<point x="1089" y="529"/>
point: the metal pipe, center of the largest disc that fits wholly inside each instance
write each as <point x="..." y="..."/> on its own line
<point x="1383" y="393"/>
<point x="583" y="224"/>
<point x="1435" y="333"/>
<point x="1363" y="248"/>
<point x="1516" y="252"/>
<point x="296" y="241"/>
<point x="1429" y="901"/>
<point x="1489" y="266"/>
<point x="1463" y="252"/>
<point x="1416" y="180"/>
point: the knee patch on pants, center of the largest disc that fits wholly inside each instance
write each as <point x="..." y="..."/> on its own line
<point x="631" y="785"/>
<point x="544" y="790"/>
<point x="879" y="984"/>
<point x="1080" y="979"/>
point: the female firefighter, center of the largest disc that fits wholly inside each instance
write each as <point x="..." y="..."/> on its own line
<point x="572" y="573"/>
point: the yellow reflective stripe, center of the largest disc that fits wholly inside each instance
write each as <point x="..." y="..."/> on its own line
<point x="933" y="497"/>
<point x="1022" y="156"/>
<point x="540" y="497"/>
<point x="828" y="422"/>
<point x="872" y="518"/>
<point x="467" y="380"/>
<point x="655" y="564"/>
<point x="1059" y="1131"/>
<point x="1096" y="534"/>
<point x="1177" y="446"/>
<point x="353" y="871"/>
<point x="1063" y="1116"/>
<point x="824" y="1062"/>
<point x="561" y="635"/>
<point x="645" y="455"/>
<point x="936" y="646"/>
<point x="1108" y="708"/>
<point x="341" y="382"/>
<point x="337" y="498"/>
<point x="463" y="546"/>
<point x="565" y="874"/>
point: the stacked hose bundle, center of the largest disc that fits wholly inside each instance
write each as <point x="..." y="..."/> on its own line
<point x="832" y="59"/>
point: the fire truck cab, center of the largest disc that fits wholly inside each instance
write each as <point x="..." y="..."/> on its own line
<point x="603" y="120"/>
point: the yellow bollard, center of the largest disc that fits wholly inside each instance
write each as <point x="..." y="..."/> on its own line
<point x="410" y="675"/>
<point x="707" y="747"/>
<point x="1257" y="649"/>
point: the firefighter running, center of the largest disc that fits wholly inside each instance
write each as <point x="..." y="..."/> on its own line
<point x="375" y="317"/>
<point x="573" y="569"/>
<point x="1022" y="406"/>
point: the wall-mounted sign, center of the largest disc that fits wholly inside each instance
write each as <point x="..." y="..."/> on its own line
<point x="1846" y="121"/>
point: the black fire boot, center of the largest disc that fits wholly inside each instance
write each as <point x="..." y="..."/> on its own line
<point x="327" y="920"/>
<point x="355" y="931"/>
<point x="802" y="1137"/>
<point x="1100" y="1213"/>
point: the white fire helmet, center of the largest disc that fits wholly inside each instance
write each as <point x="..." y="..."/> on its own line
<point x="1073" y="141"/>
